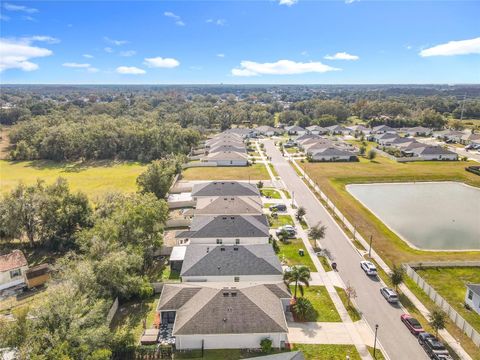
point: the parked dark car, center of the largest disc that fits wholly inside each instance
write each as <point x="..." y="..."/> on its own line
<point x="412" y="324"/>
<point x="278" y="207"/>
<point x="432" y="346"/>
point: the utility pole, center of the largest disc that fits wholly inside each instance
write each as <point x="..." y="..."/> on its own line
<point x="370" y="247"/>
<point x="375" y="343"/>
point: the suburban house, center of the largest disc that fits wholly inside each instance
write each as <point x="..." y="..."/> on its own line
<point x="222" y="147"/>
<point x="358" y="129"/>
<point x="220" y="316"/>
<point x="223" y="229"/>
<point x="401" y="142"/>
<point x="295" y="130"/>
<point x="451" y="135"/>
<point x="224" y="188"/>
<point x="472" y="297"/>
<point x="419" y="131"/>
<point x="226" y="205"/>
<point x="243" y="132"/>
<point x="467" y="139"/>
<point x="434" y="153"/>
<point x="336" y="129"/>
<point x="227" y="158"/>
<point x="316" y="130"/>
<point x="386" y="139"/>
<point x="12" y="269"/>
<point x="331" y="154"/>
<point x="231" y="263"/>
<point x="382" y="129"/>
<point x="268" y="130"/>
<point x="300" y="139"/>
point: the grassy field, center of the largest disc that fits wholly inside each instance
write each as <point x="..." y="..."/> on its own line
<point x="279" y="221"/>
<point x="332" y="178"/>
<point x="270" y="193"/>
<point x="289" y="252"/>
<point x="450" y="284"/>
<point x="94" y="179"/>
<point x="327" y="351"/>
<point x="322" y="303"/>
<point x="252" y="172"/>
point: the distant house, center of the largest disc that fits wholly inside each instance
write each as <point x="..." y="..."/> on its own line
<point x="336" y="129"/>
<point x="386" y="139"/>
<point x="451" y="135"/>
<point x="37" y="276"/>
<point x="382" y="129"/>
<point x="419" y="131"/>
<point x="243" y="132"/>
<point x="224" y="188"/>
<point x="227" y="158"/>
<point x="213" y="316"/>
<point x="300" y="139"/>
<point x="358" y="129"/>
<point x="402" y="142"/>
<point x="331" y="154"/>
<point x="227" y="147"/>
<point x="223" y="229"/>
<point x="12" y="269"/>
<point x="268" y="130"/>
<point x="472" y="297"/>
<point x="316" y="130"/>
<point x="295" y="130"/>
<point x="434" y="153"/>
<point x="226" y="205"/>
<point x="470" y="138"/>
<point x="231" y="263"/>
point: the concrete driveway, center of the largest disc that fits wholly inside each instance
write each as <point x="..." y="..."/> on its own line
<point x="395" y="338"/>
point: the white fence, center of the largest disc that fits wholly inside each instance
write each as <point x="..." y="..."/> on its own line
<point x="112" y="311"/>
<point x="441" y="302"/>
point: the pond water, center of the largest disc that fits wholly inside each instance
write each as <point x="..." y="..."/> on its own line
<point x="432" y="216"/>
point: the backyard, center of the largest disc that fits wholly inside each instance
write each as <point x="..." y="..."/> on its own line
<point x="289" y="253"/>
<point x="252" y="172"/>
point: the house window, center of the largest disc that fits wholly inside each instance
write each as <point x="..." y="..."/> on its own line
<point x="15" y="273"/>
<point x="219" y="241"/>
<point x="470" y="294"/>
<point x="236" y="279"/>
<point x="237" y="241"/>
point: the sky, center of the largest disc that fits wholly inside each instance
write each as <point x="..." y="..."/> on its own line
<point x="239" y="42"/>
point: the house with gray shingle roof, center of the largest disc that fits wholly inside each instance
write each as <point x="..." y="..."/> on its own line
<point x="226" y="229"/>
<point x="224" y="188"/>
<point x="472" y="297"/>
<point x="227" y="158"/>
<point x="226" y="205"/>
<point x="219" y="316"/>
<point x="434" y="153"/>
<point x="331" y="153"/>
<point x="316" y="130"/>
<point x="231" y="263"/>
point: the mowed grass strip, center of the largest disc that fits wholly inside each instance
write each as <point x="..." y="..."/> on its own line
<point x="450" y="283"/>
<point x="327" y="351"/>
<point x="333" y="177"/>
<point x="270" y="193"/>
<point x="289" y="253"/>
<point x="95" y="179"/>
<point x="321" y="301"/>
<point x="252" y="172"/>
<point x="279" y="221"/>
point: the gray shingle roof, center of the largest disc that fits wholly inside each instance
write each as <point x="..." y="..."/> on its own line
<point x="475" y="288"/>
<point x="292" y="355"/>
<point x="225" y="188"/>
<point x="213" y="309"/>
<point x="231" y="260"/>
<point x="226" y="155"/>
<point x="227" y="147"/>
<point x="231" y="226"/>
<point x="331" y="151"/>
<point x="227" y="205"/>
<point x="432" y="150"/>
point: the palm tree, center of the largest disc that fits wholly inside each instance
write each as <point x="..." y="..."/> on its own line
<point x="300" y="275"/>
<point x="304" y="309"/>
<point x="317" y="232"/>
<point x="396" y="277"/>
<point x="438" y="319"/>
<point x="300" y="213"/>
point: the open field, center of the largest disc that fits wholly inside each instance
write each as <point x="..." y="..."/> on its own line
<point x="252" y="172"/>
<point x="450" y="283"/>
<point x="289" y="252"/>
<point x="327" y="351"/>
<point x="94" y="179"/>
<point x="333" y="177"/>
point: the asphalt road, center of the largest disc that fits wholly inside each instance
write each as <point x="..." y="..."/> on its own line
<point x="393" y="335"/>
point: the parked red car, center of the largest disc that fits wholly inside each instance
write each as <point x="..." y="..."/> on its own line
<point x="412" y="324"/>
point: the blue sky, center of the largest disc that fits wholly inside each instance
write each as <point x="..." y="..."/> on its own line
<point x="274" y="42"/>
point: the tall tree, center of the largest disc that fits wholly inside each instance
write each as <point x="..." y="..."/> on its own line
<point x="159" y="176"/>
<point x="396" y="276"/>
<point x="298" y="275"/>
<point x="438" y="319"/>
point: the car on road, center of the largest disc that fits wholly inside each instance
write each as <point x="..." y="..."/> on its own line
<point x="432" y="346"/>
<point x="412" y="324"/>
<point x="390" y="295"/>
<point x="368" y="267"/>
<point x="278" y="207"/>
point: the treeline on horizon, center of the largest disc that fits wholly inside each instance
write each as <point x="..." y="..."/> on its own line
<point x="146" y="125"/>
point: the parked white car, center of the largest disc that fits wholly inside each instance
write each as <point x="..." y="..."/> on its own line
<point x="368" y="267"/>
<point x="389" y="295"/>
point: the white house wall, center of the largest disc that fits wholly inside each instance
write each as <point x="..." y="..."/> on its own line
<point x="246" y="278"/>
<point x="227" y="341"/>
<point x="474" y="303"/>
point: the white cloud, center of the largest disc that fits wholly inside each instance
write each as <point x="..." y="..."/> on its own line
<point x="108" y="50"/>
<point x="281" y="67"/>
<point x="92" y="70"/>
<point x="287" y="2"/>
<point x="219" y="22"/>
<point x="29" y="18"/>
<point x="350" y="1"/>
<point x="342" y="56"/>
<point x="87" y="56"/>
<point x="130" y="70"/>
<point x="13" y="7"/>
<point x="127" y="53"/>
<point x="4" y="17"/>
<point x="461" y="47"/>
<point x="76" y="65"/>
<point x="115" y="42"/>
<point x="159" y="62"/>
<point x="16" y="53"/>
<point x="178" y="19"/>
<point x="221" y="55"/>
<point x="43" y="38"/>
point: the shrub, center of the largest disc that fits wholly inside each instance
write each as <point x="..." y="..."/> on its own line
<point x="266" y="345"/>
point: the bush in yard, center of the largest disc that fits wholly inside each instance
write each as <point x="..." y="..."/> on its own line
<point x="304" y="310"/>
<point x="266" y="345"/>
<point x="372" y="154"/>
<point x="260" y="184"/>
<point x="275" y="246"/>
<point x="363" y="149"/>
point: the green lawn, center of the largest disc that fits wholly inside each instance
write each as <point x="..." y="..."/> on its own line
<point x="271" y="193"/>
<point x="220" y="354"/>
<point x="292" y="150"/>
<point x="279" y="221"/>
<point x="450" y="284"/>
<point x="289" y="252"/>
<point x="378" y="353"/>
<point x="304" y="224"/>
<point x="267" y="205"/>
<point x="322" y="303"/>
<point x="272" y="169"/>
<point x="327" y="351"/>
<point x="352" y="311"/>
<point x="287" y="194"/>
<point x="325" y="264"/>
<point x="252" y="172"/>
<point x="93" y="178"/>
<point x="131" y="315"/>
